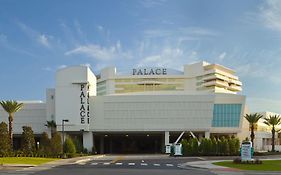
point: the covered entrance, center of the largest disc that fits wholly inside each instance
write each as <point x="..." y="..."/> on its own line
<point x="131" y="143"/>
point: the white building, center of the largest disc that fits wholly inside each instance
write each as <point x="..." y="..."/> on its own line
<point x="140" y="110"/>
<point x="263" y="135"/>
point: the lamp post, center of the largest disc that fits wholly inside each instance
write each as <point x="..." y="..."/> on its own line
<point x="63" y="120"/>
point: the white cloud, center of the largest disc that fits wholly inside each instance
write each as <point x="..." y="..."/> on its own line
<point x="3" y="38"/>
<point x="62" y="66"/>
<point x="100" y="28"/>
<point x="169" y="57"/>
<point x="86" y="64"/>
<point x="262" y="104"/>
<point x="34" y="35"/>
<point x="151" y="3"/>
<point x="100" y="53"/>
<point x="222" y="56"/>
<point x="187" y="32"/>
<point x="42" y="39"/>
<point x="271" y="14"/>
<point x="49" y="69"/>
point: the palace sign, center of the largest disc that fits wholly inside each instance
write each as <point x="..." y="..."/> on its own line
<point x="150" y="71"/>
<point x="84" y="102"/>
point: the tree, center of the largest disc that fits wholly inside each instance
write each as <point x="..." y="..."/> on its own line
<point x="56" y="144"/>
<point x="78" y="145"/>
<point x="11" y="107"/>
<point x="28" y="141"/>
<point x="253" y="120"/>
<point x="52" y="125"/>
<point x="214" y="147"/>
<point x="69" y="146"/>
<point x="5" y="145"/>
<point x="272" y="121"/>
<point x="185" y="144"/>
<point x="45" y="145"/>
<point x="195" y="147"/>
<point x="232" y="146"/>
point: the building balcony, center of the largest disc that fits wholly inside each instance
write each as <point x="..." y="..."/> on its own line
<point x="218" y="83"/>
<point x="235" y="88"/>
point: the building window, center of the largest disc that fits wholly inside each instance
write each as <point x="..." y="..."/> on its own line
<point x="226" y="115"/>
<point x="52" y="97"/>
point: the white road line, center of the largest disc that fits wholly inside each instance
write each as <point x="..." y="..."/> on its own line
<point x="106" y="163"/>
<point x="169" y="165"/>
<point x="156" y="164"/>
<point x="94" y="163"/>
<point x="131" y="164"/>
<point x="143" y="164"/>
<point x="82" y="161"/>
<point x="118" y="163"/>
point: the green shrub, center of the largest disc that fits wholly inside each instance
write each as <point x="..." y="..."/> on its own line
<point x="237" y="146"/>
<point x="207" y="147"/>
<point x="78" y="145"/>
<point x="185" y="143"/>
<point x="45" y="146"/>
<point x="194" y="147"/>
<point x="69" y="146"/>
<point x="232" y="146"/>
<point x="56" y="144"/>
<point x="28" y="141"/>
<point x="214" y="147"/>
<point x="5" y="146"/>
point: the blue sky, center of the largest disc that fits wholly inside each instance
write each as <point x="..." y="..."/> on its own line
<point x="39" y="37"/>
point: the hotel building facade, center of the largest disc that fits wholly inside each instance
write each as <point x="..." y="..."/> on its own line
<point x="141" y="110"/>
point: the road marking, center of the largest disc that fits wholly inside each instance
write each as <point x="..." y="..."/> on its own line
<point x="118" y="163"/>
<point x="82" y="161"/>
<point x="201" y="158"/>
<point x="106" y="163"/>
<point x="94" y="163"/>
<point x="169" y="165"/>
<point x="143" y="164"/>
<point x="156" y="164"/>
<point x="117" y="159"/>
<point x="131" y="164"/>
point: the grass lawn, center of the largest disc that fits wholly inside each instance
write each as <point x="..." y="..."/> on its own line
<point x="25" y="160"/>
<point x="267" y="165"/>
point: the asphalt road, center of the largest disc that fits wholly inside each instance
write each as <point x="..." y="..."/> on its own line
<point x="123" y="165"/>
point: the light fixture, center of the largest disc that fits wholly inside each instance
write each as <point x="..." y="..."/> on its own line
<point x="127" y="135"/>
<point x="147" y="135"/>
<point x="105" y="135"/>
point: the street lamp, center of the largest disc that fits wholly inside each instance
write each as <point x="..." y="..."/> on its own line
<point x="63" y="120"/>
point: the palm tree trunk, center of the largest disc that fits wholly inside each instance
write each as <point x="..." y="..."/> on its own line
<point x="11" y="119"/>
<point x="252" y="135"/>
<point x="273" y="140"/>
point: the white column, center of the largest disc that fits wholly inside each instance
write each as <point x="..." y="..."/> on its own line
<point x="88" y="141"/>
<point x="207" y="134"/>
<point x="167" y="137"/>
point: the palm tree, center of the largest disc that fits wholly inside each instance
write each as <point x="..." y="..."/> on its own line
<point x="272" y="121"/>
<point x="11" y="107"/>
<point x="253" y="120"/>
<point x="52" y="124"/>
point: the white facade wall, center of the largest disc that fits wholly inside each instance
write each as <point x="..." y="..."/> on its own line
<point x="151" y="113"/>
<point x="32" y="114"/>
<point x="71" y="104"/>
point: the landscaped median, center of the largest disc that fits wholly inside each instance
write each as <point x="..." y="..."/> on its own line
<point x="25" y="160"/>
<point x="267" y="165"/>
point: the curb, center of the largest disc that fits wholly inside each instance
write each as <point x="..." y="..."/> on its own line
<point x="18" y="165"/>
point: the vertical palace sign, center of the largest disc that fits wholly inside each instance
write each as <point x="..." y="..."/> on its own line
<point x="84" y="104"/>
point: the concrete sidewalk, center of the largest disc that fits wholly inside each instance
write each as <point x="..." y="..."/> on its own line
<point x="27" y="167"/>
